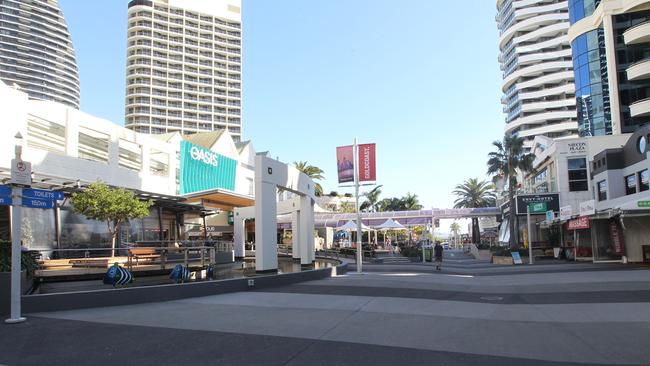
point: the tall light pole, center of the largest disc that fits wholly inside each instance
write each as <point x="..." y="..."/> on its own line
<point x="355" y="152"/>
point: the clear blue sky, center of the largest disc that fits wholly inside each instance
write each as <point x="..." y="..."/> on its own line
<point x="418" y="77"/>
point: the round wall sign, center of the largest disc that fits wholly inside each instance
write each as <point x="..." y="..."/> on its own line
<point x="642" y="144"/>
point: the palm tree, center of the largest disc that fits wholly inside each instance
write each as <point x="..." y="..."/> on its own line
<point x="455" y="230"/>
<point x="313" y="172"/>
<point x="471" y="194"/>
<point x="372" y="199"/>
<point x="509" y="158"/>
<point x="411" y="202"/>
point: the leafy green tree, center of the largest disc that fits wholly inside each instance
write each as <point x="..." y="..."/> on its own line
<point x="372" y="198"/>
<point x="111" y="205"/>
<point x="509" y="158"/>
<point x="472" y="194"/>
<point x="410" y="202"/>
<point x="313" y="172"/>
<point x="454" y="228"/>
<point x="347" y="207"/>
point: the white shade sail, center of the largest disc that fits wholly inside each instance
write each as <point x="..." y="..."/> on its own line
<point x="352" y="225"/>
<point x="390" y="224"/>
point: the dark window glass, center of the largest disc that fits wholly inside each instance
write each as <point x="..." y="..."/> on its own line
<point x="578" y="177"/>
<point x="602" y="190"/>
<point x="630" y="184"/>
<point x="644" y="184"/>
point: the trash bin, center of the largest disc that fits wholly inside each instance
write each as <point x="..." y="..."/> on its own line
<point x="646" y="253"/>
<point x="428" y="252"/>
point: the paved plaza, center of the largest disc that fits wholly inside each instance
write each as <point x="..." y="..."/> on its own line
<point x="470" y="313"/>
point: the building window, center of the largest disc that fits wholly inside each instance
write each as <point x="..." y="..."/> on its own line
<point x="643" y="181"/>
<point x="45" y="135"/>
<point x="602" y="190"/>
<point x="630" y="184"/>
<point x="130" y="155"/>
<point x="159" y="162"/>
<point x="578" y="179"/>
<point x="93" y="145"/>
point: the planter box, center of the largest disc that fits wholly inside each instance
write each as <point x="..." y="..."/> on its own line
<point x="5" y="290"/>
<point x="484" y="255"/>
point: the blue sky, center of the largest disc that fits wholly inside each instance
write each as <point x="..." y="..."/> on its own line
<point x="420" y="78"/>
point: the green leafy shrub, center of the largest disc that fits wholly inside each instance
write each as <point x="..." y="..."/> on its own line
<point x="411" y="252"/>
<point x="28" y="260"/>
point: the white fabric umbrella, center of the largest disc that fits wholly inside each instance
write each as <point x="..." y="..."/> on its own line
<point x="352" y="225"/>
<point x="390" y="224"/>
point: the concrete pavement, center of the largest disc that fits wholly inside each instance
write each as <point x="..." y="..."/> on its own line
<point x="470" y="313"/>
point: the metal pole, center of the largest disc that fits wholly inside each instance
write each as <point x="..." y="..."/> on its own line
<point x="530" y="237"/>
<point x="16" y="219"/>
<point x="355" y="151"/>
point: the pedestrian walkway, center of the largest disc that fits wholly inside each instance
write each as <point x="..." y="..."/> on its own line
<point x="470" y="313"/>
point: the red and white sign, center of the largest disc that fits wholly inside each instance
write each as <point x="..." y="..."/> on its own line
<point x="21" y="172"/>
<point x="618" y="243"/>
<point x="367" y="168"/>
<point x="579" y="223"/>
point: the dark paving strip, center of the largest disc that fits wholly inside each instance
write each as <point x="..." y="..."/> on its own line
<point x="492" y="270"/>
<point x="591" y="297"/>
<point x="42" y="341"/>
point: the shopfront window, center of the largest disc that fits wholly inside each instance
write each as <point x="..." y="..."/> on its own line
<point x="578" y="180"/>
<point x="644" y="184"/>
<point x="630" y="184"/>
<point x="602" y="190"/>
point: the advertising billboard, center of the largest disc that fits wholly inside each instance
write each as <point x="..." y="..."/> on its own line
<point x="345" y="163"/>
<point x="367" y="168"/>
<point x="203" y="169"/>
<point x="552" y="201"/>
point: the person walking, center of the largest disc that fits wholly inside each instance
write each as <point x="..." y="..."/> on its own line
<point x="437" y="252"/>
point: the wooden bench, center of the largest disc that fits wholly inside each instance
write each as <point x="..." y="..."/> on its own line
<point x="149" y="254"/>
<point x="89" y="262"/>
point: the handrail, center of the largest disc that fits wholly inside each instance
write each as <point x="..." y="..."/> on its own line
<point x="636" y="26"/>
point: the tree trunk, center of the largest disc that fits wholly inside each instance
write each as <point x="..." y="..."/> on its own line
<point x="513" y="243"/>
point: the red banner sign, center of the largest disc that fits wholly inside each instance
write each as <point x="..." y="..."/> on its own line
<point x="345" y="163"/>
<point x="579" y="223"/>
<point x="367" y="168"/>
<point x="618" y="243"/>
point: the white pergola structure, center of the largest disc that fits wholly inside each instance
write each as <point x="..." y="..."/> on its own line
<point x="269" y="175"/>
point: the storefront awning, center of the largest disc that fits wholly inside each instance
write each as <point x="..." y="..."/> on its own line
<point x="220" y="198"/>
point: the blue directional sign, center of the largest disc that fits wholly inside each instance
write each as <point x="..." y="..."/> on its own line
<point x="5" y="191"/>
<point x="5" y="201"/>
<point x="37" y="203"/>
<point x="43" y="194"/>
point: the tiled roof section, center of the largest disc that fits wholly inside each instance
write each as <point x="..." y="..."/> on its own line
<point x="205" y="139"/>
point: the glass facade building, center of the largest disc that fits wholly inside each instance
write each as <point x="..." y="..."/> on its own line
<point x="578" y="9"/>
<point x="592" y="88"/>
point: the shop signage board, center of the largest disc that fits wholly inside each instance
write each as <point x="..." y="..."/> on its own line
<point x="580" y="223"/>
<point x="538" y="207"/>
<point x="516" y="258"/>
<point x="643" y="204"/>
<point x="37" y="203"/>
<point x="566" y="212"/>
<point x="203" y="169"/>
<point x="587" y="208"/>
<point x="550" y="216"/>
<point x="552" y="201"/>
<point x="21" y="172"/>
<point x="43" y="194"/>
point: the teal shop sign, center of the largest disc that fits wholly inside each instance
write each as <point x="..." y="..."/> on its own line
<point x="203" y="169"/>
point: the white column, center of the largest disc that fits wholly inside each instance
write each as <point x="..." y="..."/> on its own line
<point x="266" y="222"/>
<point x="295" y="235"/>
<point x="239" y="228"/>
<point x="306" y="231"/>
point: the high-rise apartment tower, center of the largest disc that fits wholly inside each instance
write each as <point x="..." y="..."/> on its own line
<point x="183" y="70"/>
<point x="36" y="52"/>
<point x="538" y="87"/>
